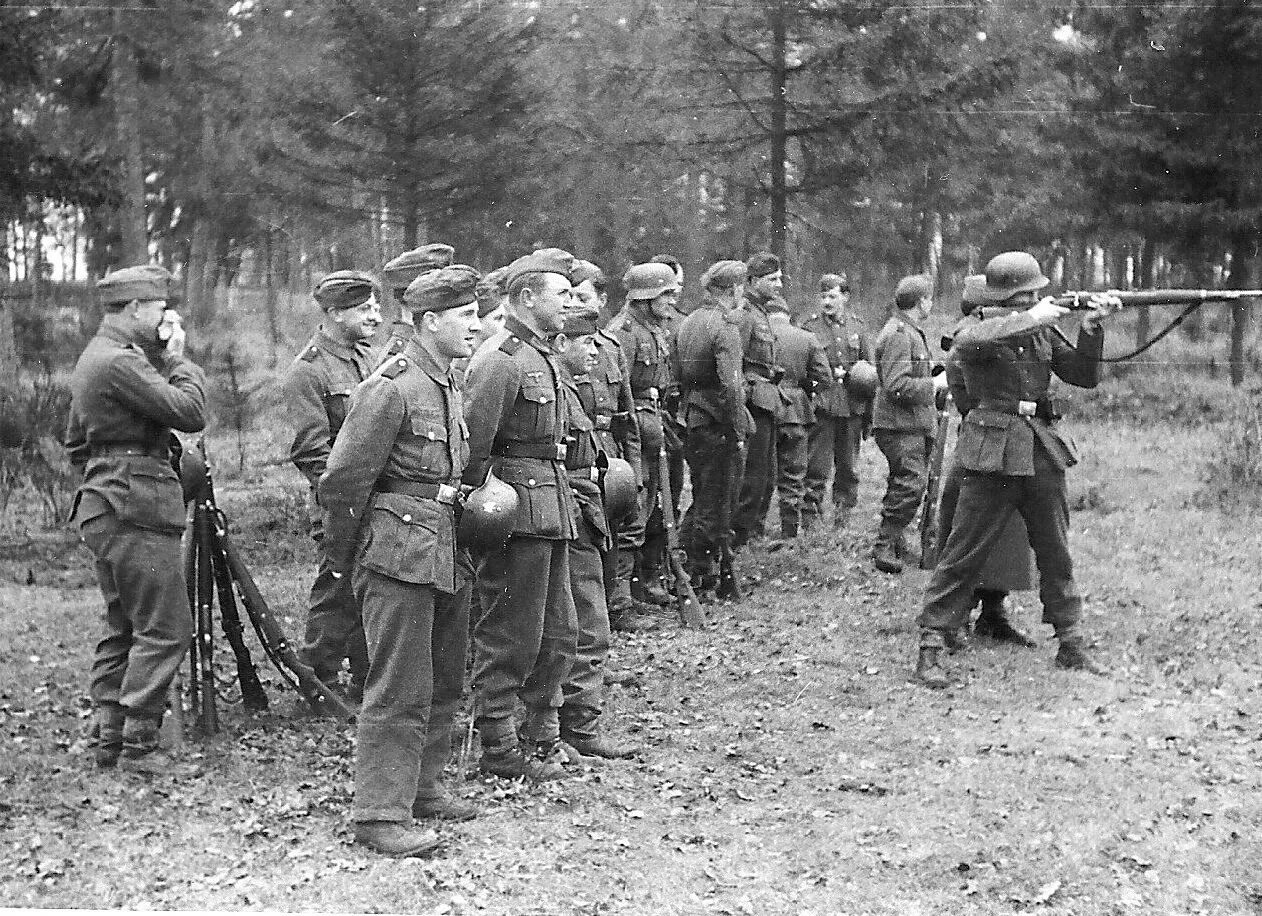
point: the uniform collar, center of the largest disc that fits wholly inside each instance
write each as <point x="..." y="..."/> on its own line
<point x="116" y="334"/>
<point x="339" y="347"/>
<point x="517" y="328"/>
<point x="836" y="317"/>
<point x="428" y="362"/>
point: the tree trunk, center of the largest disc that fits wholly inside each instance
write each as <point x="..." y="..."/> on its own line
<point x="1243" y="245"/>
<point x="1148" y="280"/>
<point x="131" y="207"/>
<point x="779" y="106"/>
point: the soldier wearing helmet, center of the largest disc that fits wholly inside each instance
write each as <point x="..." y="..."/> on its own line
<point x="843" y="411"/>
<point x="762" y="373"/>
<point x="518" y="416"/>
<point x="390" y="490"/>
<point x="903" y="417"/>
<point x="642" y="328"/>
<point x="1013" y="456"/>
<point x="586" y="462"/>
<point x="317" y="391"/>
<point x="1009" y="567"/>
<point x="130" y="388"/>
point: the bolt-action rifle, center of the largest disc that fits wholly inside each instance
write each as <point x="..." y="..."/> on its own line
<point x="929" y="546"/>
<point x="690" y="613"/>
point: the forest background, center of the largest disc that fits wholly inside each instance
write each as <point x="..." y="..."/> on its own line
<point x="252" y="147"/>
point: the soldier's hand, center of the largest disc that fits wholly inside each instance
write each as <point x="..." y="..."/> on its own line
<point x="1101" y="306"/>
<point x="1046" y="311"/>
<point x="939" y="381"/>
<point x="172" y="331"/>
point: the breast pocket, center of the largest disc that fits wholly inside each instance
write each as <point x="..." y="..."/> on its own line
<point x="538" y="410"/>
<point x="538" y="501"/>
<point x="431" y="435"/>
<point x="154" y="498"/>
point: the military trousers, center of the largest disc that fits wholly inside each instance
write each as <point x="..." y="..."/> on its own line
<point x="834" y="452"/>
<point x="524" y="644"/>
<point x="979" y="523"/>
<point x="759" y="482"/>
<point x="334" y="628"/>
<point x="417" y="639"/>
<point x="584" y="688"/>
<point x="717" y="468"/>
<point x="791" y="460"/>
<point x="1010" y="565"/>
<point x="907" y="454"/>
<point x="148" y="623"/>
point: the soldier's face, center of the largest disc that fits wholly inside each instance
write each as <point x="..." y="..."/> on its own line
<point x="580" y="354"/>
<point x="663" y="306"/>
<point x="455" y="331"/>
<point x="547" y="306"/>
<point x="492" y="322"/>
<point x="359" y="322"/>
<point x="768" y="286"/>
<point x="585" y="295"/>
<point x="833" y="300"/>
<point x="148" y="317"/>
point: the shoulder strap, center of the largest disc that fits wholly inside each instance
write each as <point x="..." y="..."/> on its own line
<point x="395" y="367"/>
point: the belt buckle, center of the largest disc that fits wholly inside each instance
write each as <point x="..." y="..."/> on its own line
<point x="562" y="451"/>
<point x="1027" y="408"/>
<point x="652" y="393"/>
<point x="447" y="493"/>
<point x="593" y="474"/>
<point x="603" y="422"/>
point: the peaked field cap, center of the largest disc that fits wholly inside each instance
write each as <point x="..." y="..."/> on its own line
<point x="401" y="271"/>
<point x="580" y="322"/>
<point x="762" y="264"/>
<point x="974" y="293"/>
<point x="543" y="261"/>
<point x="648" y="281"/>
<point x="144" y="281"/>
<point x="724" y="275"/>
<point x="584" y="271"/>
<point x="344" y="289"/>
<point x="1013" y="272"/>
<point x="442" y="289"/>
<point x="911" y="290"/>
<point x="834" y="281"/>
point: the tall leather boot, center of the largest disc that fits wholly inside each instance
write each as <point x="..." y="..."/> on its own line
<point x="885" y="550"/>
<point x="929" y="668"/>
<point x="1073" y="653"/>
<point x="789" y="523"/>
<point x="107" y="737"/>
<point x="993" y="623"/>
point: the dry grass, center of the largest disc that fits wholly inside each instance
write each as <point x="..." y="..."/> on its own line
<point x="790" y="769"/>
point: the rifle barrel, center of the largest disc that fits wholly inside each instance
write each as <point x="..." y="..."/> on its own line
<point x="1078" y="300"/>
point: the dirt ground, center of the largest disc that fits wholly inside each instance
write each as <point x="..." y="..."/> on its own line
<point x="790" y="767"/>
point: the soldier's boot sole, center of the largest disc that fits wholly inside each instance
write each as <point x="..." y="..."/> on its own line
<point x="601" y="747"/>
<point x="397" y="841"/>
<point x="519" y="766"/>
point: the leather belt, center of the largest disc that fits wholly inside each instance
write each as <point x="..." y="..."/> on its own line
<point x="591" y="473"/>
<point x="646" y="394"/>
<point x="440" y="492"/>
<point x="548" y="452"/>
<point x="128" y="448"/>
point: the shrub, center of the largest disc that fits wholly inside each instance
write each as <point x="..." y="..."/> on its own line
<point x="1233" y="471"/>
<point x="32" y="459"/>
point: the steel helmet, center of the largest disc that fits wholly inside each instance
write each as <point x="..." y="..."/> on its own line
<point x="1010" y="273"/>
<point x="621" y="492"/>
<point x="192" y="474"/>
<point x="648" y="281"/>
<point x="861" y="380"/>
<point x="487" y="519"/>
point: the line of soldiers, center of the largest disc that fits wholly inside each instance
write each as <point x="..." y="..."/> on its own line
<point x="502" y="474"/>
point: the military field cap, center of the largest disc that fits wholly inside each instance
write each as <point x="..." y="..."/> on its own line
<point x="144" y="282"/>
<point x="491" y="289"/>
<point x="586" y="270"/>
<point x="580" y="322"/>
<point x="443" y="289"/>
<point x="648" y="281"/>
<point x="724" y="275"/>
<point x="762" y="264"/>
<point x="911" y="290"/>
<point x="834" y="281"/>
<point x="543" y="261"/>
<point x="974" y="293"/>
<point x="401" y="271"/>
<point x="344" y="289"/>
<point x="1012" y="272"/>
